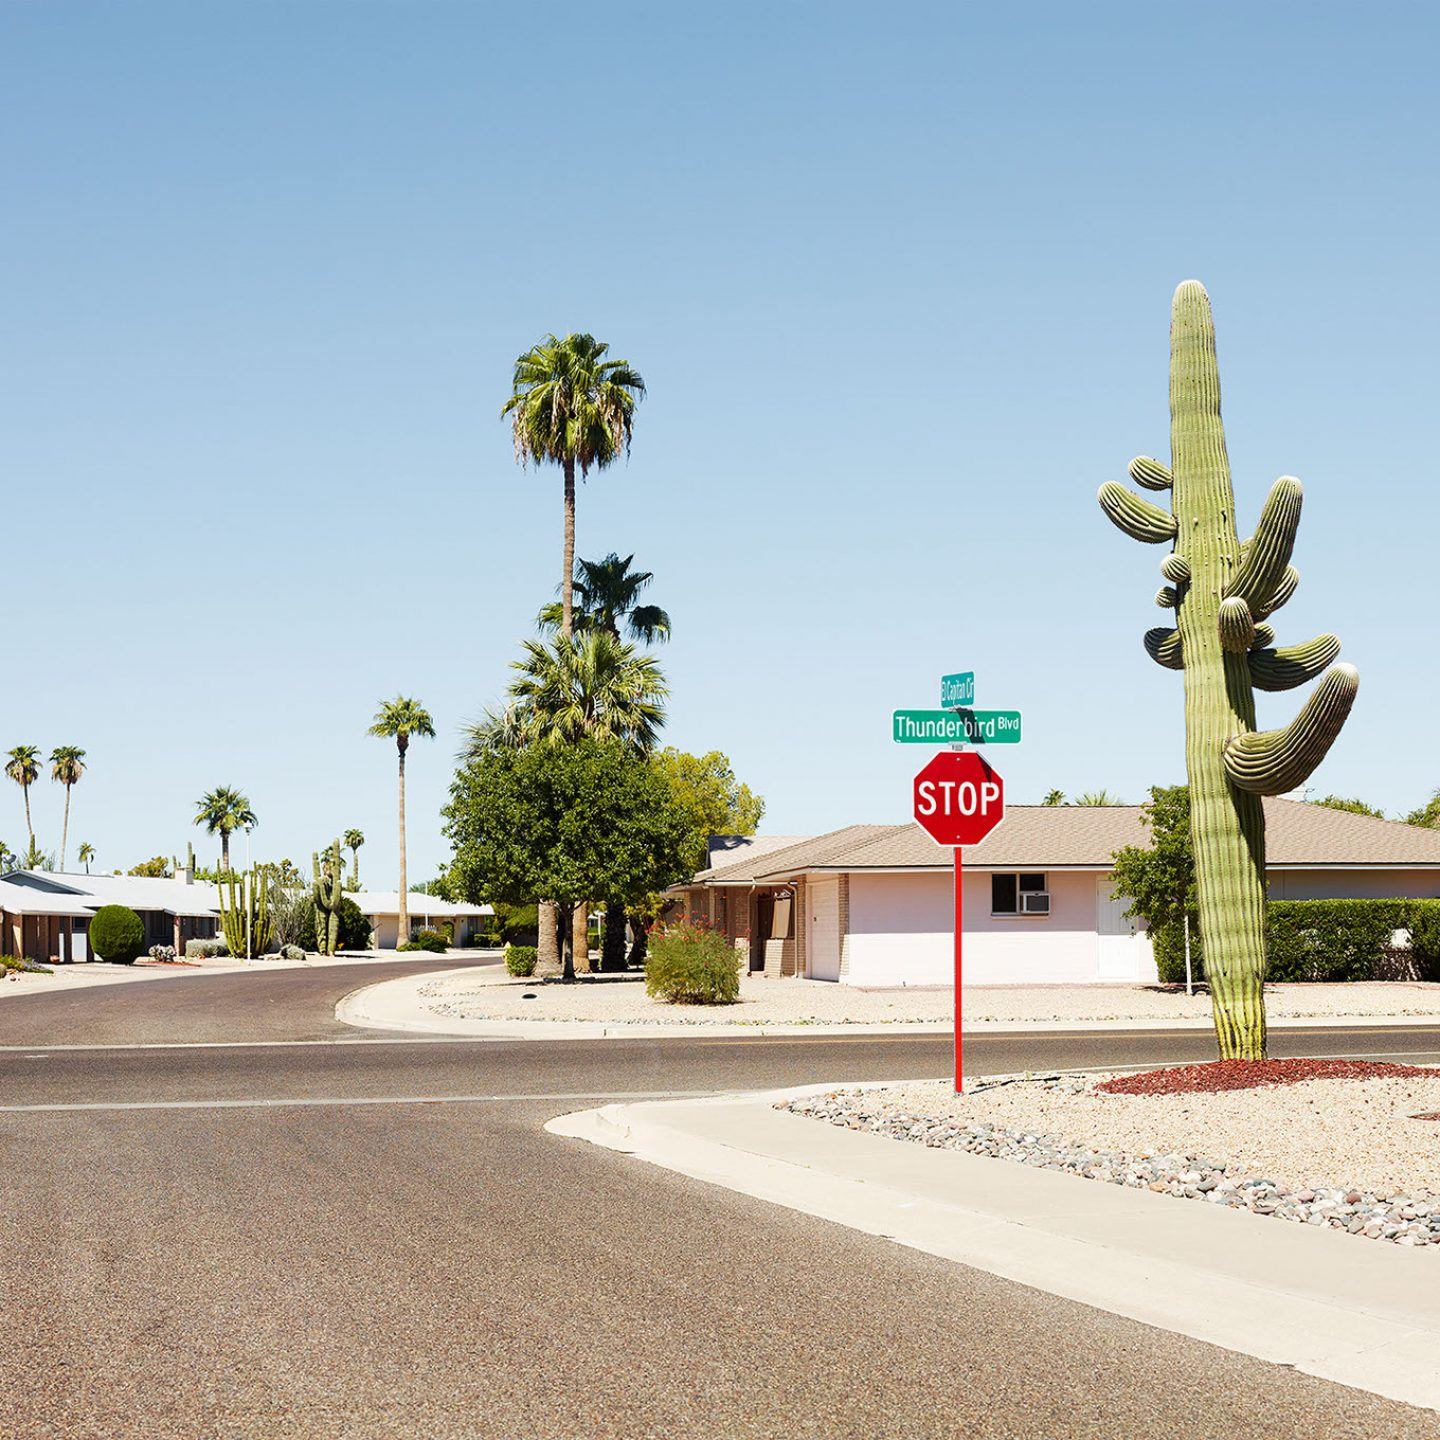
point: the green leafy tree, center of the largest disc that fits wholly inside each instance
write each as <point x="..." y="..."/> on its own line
<point x="711" y="799"/>
<point x="1351" y="804"/>
<point x="222" y="811"/>
<point x="594" y="818"/>
<point x="1159" y="879"/>
<point x="1427" y="814"/>
<point x="570" y="406"/>
<point x="86" y="854"/>
<point x="398" y="720"/>
<point x="607" y="597"/>
<point x="23" y="767"/>
<point x="156" y="868"/>
<point x="1053" y="798"/>
<point x="354" y="839"/>
<point x="67" y="765"/>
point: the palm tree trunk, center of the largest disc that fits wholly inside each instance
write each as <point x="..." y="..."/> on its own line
<point x="225" y="851"/>
<point x="567" y="579"/>
<point x="547" y="959"/>
<point x="25" y="789"/>
<point x="580" y="936"/>
<point x="355" y="861"/>
<point x="403" y="929"/>
<point x="65" y="831"/>
<point x="567" y="940"/>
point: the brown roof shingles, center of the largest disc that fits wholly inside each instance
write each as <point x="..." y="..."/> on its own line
<point x="1087" y="836"/>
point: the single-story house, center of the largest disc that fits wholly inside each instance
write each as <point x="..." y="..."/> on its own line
<point x="429" y="912"/>
<point x="874" y="904"/>
<point x="46" y="917"/>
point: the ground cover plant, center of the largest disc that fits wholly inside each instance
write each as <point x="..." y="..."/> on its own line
<point x="1221" y="591"/>
<point x="22" y="965"/>
<point x="117" y="934"/>
<point x="688" y="964"/>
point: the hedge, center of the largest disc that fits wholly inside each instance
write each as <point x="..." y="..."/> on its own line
<point x="1321" y="940"/>
<point x="117" y="934"/>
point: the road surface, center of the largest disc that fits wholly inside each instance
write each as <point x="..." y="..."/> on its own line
<point x="321" y="1232"/>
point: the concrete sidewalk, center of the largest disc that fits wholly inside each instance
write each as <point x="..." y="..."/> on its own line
<point x="427" y="1004"/>
<point x="1331" y="1305"/>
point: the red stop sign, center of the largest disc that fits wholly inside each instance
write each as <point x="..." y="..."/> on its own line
<point x="959" y="799"/>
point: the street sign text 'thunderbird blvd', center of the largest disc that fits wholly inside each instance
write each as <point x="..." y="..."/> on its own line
<point x="956" y="727"/>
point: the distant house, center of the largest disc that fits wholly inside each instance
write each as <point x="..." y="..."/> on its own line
<point x="46" y="917"/>
<point x="873" y="904"/>
<point x="382" y="909"/>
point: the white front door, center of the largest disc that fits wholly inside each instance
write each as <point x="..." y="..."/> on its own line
<point x="1121" y="949"/>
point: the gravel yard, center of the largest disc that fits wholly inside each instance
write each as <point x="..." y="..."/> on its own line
<point x="1340" y="1152"/>
<point x="621" y="1000"/>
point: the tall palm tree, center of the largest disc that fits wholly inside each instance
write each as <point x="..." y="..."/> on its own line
<point x="354" y="839"/>
<point x="572" y="407"/>
<point x="23" y="767"/>
<point x="222" y="811"/>
<point x="86" y="854"/>
<point x="67" y="765"/>
<point x="588" y="686"/>
<point x="607" y="594"/>
<point x="398" y="720"/>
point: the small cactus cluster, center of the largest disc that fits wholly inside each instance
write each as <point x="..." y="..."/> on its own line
<point x="1221" y="591"/>
<point x="245" y="912"/>
<point x="327" y="891"/>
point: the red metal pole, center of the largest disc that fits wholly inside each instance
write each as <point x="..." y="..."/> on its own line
<point x="959" y="929"/>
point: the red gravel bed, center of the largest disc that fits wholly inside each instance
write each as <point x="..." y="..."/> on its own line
<point x="1248" y="1074"/>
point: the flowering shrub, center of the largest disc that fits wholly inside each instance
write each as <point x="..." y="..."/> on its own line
<point x="688" y="964"/>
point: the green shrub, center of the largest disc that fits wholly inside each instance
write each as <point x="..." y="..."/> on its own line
<point x="117" y="934"/>
<point x="689" y="965"/>
<point x="1326" y="940"/>
<point x="517" y="924"/>
<point x="291" y="952"/>
<point x="427" y="940"/>
<point x="487" y="940"/>
<point x="520" y="960"/>
<point x="205" y="949"/>
<point x="354" y="927"/>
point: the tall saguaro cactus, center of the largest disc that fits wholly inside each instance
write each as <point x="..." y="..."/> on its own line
<point x="327" y="891"/>
<point x="245" y="912"/>
<point x="1221" y="590"/>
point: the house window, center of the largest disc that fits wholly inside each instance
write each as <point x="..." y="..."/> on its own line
<point x="1019" y="893"/>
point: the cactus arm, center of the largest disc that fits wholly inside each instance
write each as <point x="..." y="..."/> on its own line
<point x="1166" y="597"/>
<point x="1270" y="762"/>
<point x="1236" y="625"/>
<point x="1285" y="587"/>
<point x="1163" y="646"/>
<point x="1292" y="665"/>
<point x="1263" y="638"/>
<point x="1137" y="517"/>
<point x="1176" y="569"/>
<point x="1150" y="473"/>
<point x="1264" y="560"/>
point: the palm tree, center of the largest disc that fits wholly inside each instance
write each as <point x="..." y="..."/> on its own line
<point x="23" y="767"/>
<point x="86" y="854"/>
<point x="354" y="839"/>
<point x="590" y="685"/>
<point x="398" y="720"/>
<point x="1053" y="798"/>
<point x="606" y="595"/>
<point x="222" y="811"/>
<point x="67" y="765"/>
<point x="1098" y="797"/>
<point x="570" y="406"/>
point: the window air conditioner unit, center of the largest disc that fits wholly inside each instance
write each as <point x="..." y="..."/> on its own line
<point x="1035" y="902"/>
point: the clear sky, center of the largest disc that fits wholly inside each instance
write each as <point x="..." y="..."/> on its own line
<point x="898" y="279"/>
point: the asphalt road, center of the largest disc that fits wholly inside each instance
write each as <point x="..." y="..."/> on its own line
<point x="325" y="1233"/>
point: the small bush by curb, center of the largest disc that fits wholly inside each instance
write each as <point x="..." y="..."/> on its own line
<point x="689" y="965"/>
<point x="520" y="960"/>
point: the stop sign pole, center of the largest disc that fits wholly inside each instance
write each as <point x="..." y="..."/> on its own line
<point x="958" y="800"/>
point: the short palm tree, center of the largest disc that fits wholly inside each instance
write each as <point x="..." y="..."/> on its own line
<point x="398" y="720"/>
<point x="87" y="854"/>
<point x="222" y="811"/>
<point x="572" y="407"/>
<point x="607" y="594"/>
<point x="589" y="685"/>
<point x="1098" y="797"/>
<point x="67" y="765"/>
<point x="354" y="839"/>
<point x="23" y="767"/>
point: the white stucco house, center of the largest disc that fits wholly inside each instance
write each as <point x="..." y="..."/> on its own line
<point x="382" y="909"/>
<point x="873" y="904"/>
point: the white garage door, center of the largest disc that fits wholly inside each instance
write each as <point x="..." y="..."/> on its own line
<point x="823" y="940"/>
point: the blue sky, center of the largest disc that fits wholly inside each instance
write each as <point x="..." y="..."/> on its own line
<point x="897" y="277"/>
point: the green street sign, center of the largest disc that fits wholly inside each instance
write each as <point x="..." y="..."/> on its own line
<point x="957" y="690"/>
<point x="956" y="727"/>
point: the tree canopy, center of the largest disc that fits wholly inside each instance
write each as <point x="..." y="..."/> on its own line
<point x="711" y="799"/>
<point x="1351" y="804"/>
<point x="1159" y="879"/>
<point x="1428" y="814"/>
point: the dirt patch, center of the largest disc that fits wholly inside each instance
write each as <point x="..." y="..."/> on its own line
<point x="1219" y="1075"/>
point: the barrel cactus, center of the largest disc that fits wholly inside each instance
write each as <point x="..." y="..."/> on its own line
<point x="1221" y="590"/>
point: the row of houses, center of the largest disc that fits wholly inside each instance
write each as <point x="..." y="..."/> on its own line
<point x="46" y="916"/>
<point x="873" y="905"/>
